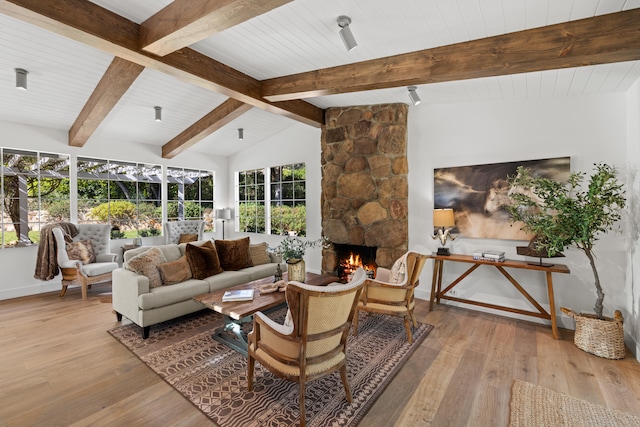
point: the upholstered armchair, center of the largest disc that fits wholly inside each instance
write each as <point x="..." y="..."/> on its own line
<point x="392" y="290"/>
<point x="90" y="269"/>
<point x="314" y="343"/>
<point x="173" y="229"/>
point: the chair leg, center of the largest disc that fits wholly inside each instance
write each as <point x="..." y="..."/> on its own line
<point x="83" y="284"/>
<point x="250" y="365"/>
<point x="355" y="323"/>
<point x="407" y="326"/>
<point x="303" y="421"/>
<point x="413" y="318"/>
<point x="345" y="382"/>
<point x="64" y="289"/>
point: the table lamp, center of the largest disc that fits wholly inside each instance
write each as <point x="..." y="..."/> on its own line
<point x="445" y="221"/>
<point x="223" y="214"/>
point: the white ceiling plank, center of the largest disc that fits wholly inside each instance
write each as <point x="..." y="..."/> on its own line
<point x="580" y="80"/>
<point x="534" y="84"/>
<point x="548" y="81"/>
<point x="297" y="37"/>
<point x="514" y="15"/>
<point x="493" y="17"/>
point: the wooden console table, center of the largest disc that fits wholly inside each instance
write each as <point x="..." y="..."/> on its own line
<point x="437" y="293"/>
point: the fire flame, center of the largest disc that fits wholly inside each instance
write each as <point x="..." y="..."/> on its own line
<point x="352" y="263"/>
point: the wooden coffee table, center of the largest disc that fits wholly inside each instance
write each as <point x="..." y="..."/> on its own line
<point x="239" y="313"/>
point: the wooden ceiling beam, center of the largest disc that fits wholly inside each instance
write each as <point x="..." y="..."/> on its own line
<point x="184" y="22"/>
<point x="112" y="86"/>
<point x="88" y="23"/>
<point x="221" y="115"/>
<point x="599" y="40"/>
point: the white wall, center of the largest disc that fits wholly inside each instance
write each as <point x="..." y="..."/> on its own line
<point x="632" y="288"/>
<point x="299" y="143"/>
<point x="589" y="129"/>
<point x="18" y="264"/>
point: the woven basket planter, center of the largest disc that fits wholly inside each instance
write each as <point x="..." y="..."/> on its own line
<point x="602" y="337"/>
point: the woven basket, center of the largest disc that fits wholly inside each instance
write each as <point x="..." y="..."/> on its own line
<point x="602" y="337"/>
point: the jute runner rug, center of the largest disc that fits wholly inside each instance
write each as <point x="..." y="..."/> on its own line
<point x="213" y="376"/>
<point x="535" y="406"/>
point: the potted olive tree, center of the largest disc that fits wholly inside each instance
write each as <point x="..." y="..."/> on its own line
<point x="563" y="215"/>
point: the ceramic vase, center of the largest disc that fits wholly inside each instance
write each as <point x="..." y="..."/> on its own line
<point x="296" y="270"/>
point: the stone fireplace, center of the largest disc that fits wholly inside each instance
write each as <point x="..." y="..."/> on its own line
<point x="364" y="182"/>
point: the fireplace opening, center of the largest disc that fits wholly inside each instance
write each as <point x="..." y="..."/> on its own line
<point x="351" y="257"/>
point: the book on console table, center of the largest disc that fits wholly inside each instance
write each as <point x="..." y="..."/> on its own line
<point x="497" y="256"/>
<point x="238" y="295"/>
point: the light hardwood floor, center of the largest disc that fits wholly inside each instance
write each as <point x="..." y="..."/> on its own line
<point x="59" y="367"/>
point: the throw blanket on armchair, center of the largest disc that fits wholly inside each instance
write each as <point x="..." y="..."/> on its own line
<point x="47" y="260"/>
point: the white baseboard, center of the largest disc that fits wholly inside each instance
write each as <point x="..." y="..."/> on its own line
<point x="33" y="289"/>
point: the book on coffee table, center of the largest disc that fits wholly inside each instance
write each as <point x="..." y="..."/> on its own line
<point x="238" y="295"/>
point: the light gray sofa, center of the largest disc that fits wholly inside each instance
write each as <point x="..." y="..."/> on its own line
<point x="145" y="306"/>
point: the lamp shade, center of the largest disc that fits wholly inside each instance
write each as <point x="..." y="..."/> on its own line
<point x="224" y="213"/>
<point x="443" y="218"/>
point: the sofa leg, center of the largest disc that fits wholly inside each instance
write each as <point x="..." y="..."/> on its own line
<point x="118" y="317"/>
<point x="145" y="332"/>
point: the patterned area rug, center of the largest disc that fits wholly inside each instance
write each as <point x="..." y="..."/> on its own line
<point x="213" y="377"/>
<point x="536" y="406"/>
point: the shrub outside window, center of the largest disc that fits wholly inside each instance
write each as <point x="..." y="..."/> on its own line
<point x="190" y="195"/>
<point x="288" y="200"/>
<point x="127" y="195"/>
<point x="251" y="201"/>
<point x="272" y="204"/>
<point x="35" y="191"/>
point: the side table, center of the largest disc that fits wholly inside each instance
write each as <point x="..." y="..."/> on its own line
<point x="437" y="293"/>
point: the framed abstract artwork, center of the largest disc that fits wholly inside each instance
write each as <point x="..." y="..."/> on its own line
<point x="476" y="194"/>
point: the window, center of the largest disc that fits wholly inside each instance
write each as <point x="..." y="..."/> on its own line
<point x="126" y="195"/>
<point x="284" y="204"/>
<point x="288" y="200"/>
<point x="35" y="191"/>
<point x="190" y="195"/>
<point x="251" y="202"/>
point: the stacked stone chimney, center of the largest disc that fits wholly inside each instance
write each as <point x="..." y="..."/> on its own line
<point x="364" y="181"/>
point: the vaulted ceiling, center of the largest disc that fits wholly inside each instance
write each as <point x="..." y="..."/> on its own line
<point x="97" y="68"/>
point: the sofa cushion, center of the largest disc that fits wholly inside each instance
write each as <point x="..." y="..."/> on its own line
<point x="81" y="251"/>
<point x="234" y="254"/>
<point x="186" y="238"/>
<point x="203" y="260"/>
<point x="259" y="254"/>
<point x="147" y="263"/>
<point x="171" y="252"/>
<point x="183" y="246"/>
<point x="173" y="272"/>
<point x="166" y="295"/>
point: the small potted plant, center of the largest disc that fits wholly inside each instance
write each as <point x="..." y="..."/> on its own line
<point x="563" y="215"/>
<point x="292" y="250"/>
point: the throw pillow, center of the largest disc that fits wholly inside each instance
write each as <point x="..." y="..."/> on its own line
<point x="186" y="238"/>
<point x="234" y="254"/>
<point x="259" y="254"/>
<point x="399" y="271"/>
<point x="81" y="251"/>
<point x="203" y="260"/>
<point x="173" y="272"/>
<point x="146" y="264"/>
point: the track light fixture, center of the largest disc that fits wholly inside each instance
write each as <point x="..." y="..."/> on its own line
<point x="414" y="95"/>
<point x="240" y="134"/>
<point x="158" y="113"/>
<point x="345" y="33"/>
<point x="21" y="78"/>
